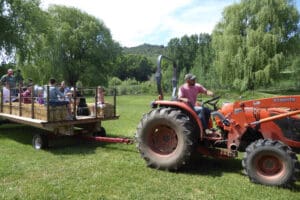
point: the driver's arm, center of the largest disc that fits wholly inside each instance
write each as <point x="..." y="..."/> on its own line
<point x="186" y="100"/>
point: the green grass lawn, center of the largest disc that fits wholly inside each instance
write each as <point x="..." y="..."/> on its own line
<point x="72" y="169"/>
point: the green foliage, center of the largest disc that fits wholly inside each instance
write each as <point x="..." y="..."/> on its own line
<point x="133" y="66"/>
<point x="63" y="42"/>
<point x="294" y="73"/>
<point x="20" y="22"/>
<point x="84" y="46"/>
<point x="203" y="63"/>
<point x="132" y="86"/>
<point x="149" y="51"/>
<point x="252" y="41"/>
<point x="192" y="54"/>
<point x="184" y="51"/>
<point x="114" y="81"/>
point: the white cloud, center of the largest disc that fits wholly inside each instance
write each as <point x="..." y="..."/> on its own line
<point x="133" y="22"/>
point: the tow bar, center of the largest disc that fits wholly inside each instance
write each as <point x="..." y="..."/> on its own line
<point x="108" y="139"/>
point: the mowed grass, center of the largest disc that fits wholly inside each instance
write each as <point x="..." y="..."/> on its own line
<point x="73" y="169"/>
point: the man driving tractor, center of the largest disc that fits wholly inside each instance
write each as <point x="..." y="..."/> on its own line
<point x="188" y="93"/>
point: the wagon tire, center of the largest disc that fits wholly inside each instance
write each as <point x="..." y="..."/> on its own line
<point x="40" y="141"/>
<point x="101" y="132"/>
<point x="165" y="139"/>
<point x="270" y="162"/>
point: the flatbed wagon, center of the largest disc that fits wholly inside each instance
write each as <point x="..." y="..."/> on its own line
<point x="55" y="119"/>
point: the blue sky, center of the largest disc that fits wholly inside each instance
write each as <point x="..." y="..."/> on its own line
<point x="135" y="22"/>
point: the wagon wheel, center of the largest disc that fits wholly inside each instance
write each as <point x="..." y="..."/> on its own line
<point x="165" y="139"/>
<point x="101" y="132"/>
<point x="270" y="162"/>
<point x="39" y="141"/>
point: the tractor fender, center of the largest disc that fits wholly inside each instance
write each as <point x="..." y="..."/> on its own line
<point x="182" y="106"/>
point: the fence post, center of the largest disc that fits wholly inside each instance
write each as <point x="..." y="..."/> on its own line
<point x="115" y="101"/>
<point x="32" y="102"/>
<point x="20" y="101"/>
<point x="1" y="106"/>
<point x="48" y="107"/>
<point x="96" y="100"/>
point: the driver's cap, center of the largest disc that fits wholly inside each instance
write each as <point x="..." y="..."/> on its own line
<point x="189" y="77"/>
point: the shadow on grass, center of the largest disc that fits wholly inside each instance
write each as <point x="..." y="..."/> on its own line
<point x="216" y="167"/>
<point x="212" y="166"/>
<point x="57" y="144"/>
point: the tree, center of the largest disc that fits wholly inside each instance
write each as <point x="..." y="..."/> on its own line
<point x="203" y="62"/>
<point x="75" y="47"/>
<point x="184" y="51"/>
<point x="134" y="67"/>
<point x="84" y="48"/>
<point x="252" y="41"/>
<point x="19" y="21"/>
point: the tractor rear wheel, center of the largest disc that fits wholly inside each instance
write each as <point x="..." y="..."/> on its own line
<point x="270" y="162"/>
<point x="166" y="139"/>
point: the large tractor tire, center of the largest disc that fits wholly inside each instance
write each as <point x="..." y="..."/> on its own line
<point x="270" y="162"/>
<point x="166" y="139"/>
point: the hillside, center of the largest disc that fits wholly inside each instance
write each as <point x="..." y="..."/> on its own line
<point x="148" y="50"/>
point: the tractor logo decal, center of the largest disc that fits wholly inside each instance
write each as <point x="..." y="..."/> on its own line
<point x="255" y="103"/>
<point x="280" y="100"/>
<point x="238" y="110"/>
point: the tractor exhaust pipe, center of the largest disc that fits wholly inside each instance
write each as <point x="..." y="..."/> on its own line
<point x="158" y="77"/>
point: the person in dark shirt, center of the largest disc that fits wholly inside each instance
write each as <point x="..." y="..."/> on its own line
<point x="82" y="107"/>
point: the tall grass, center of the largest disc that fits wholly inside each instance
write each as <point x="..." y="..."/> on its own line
<point x="74" y="169"/>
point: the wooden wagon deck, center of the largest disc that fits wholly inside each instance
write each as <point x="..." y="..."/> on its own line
<point x="55" y="118"/>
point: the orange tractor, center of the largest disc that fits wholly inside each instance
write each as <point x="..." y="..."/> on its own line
<point x="267" y="130"/>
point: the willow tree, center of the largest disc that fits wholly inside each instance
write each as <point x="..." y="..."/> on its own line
<point x="252" y="41"/>
<point x="19" y="22"/>
<point x="83" y="48"/>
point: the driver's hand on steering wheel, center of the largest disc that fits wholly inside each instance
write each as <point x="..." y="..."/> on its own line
<point x="210" y="93"/>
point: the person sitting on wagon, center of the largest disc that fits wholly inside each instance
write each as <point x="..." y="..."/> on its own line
<point x="10" y="79"/>
<point x="26" y="95"/>
<point x="54" y="93"/>
<point x="66" y="91"/>
<point x="40" y="95"/>
<point x="82" y="107"/>
<point x="100" y="97"/>
<point x="6" y="93"/>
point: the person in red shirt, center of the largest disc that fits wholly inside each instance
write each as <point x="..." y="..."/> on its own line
<point x="188" y="93"/>
<point x="26" y="95"/>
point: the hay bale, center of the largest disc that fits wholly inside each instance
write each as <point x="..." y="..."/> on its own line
<point x="14" y="107"/>
<point x="56" y="113"/>
<point x="106" y="111"/>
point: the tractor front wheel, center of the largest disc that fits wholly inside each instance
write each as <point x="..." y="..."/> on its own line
<point x="165" y="138"/>
<point x="270" y="162"/>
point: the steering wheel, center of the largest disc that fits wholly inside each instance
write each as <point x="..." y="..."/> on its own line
<point x="212" y="102"/>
